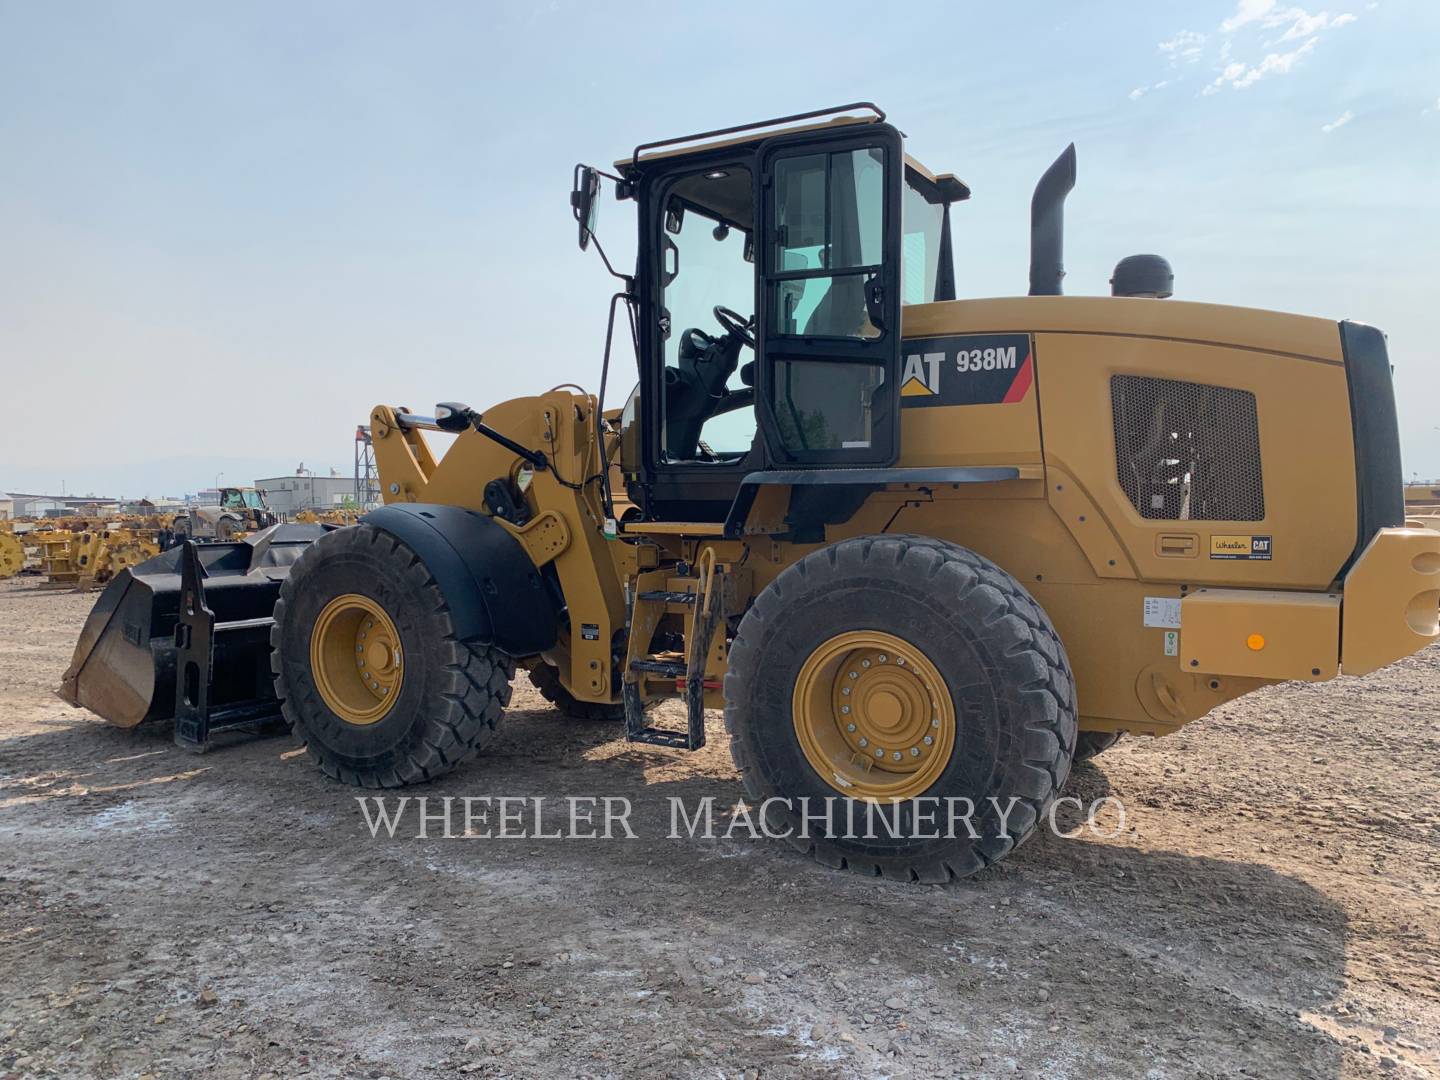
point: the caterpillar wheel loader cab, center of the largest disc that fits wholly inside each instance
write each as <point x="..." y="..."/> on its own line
<point x="922" y="550"/>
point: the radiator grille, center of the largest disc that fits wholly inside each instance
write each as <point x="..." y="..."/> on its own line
<point x="1187" y="451"/>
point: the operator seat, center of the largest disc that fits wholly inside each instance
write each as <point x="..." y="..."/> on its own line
<point x="694" y="389"/>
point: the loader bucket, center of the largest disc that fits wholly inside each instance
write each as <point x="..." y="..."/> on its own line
<point x="124" y="665"/>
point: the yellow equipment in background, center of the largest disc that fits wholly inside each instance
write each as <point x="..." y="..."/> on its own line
<point x="97" y="556"/>
<point x="85" y="554"/>
<point x="12" y="555"/>
<point x="326" y="517"/>
<point x="1422" y="504"/>
<point x="56" y="549"/>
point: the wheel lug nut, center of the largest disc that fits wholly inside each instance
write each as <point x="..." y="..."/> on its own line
<point x="883" y="658"/>
<point x="935" y="722"/>
<point x="928" y="741"/>
<point x="845" y="690"/>
<point x="879" y="752"/>
<point x="850" y="727"/>
<point x="914" y="751"/>
<point x="864" y="663"/>
<point x="900" y="660"/>
<point x="845" y="709"/>
<point x="896" y="755"/>
<point x="864" y="741"/>
<point x="854" y="674"/>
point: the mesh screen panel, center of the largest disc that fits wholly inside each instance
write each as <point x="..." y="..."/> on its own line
<point x="1187" y="451"/>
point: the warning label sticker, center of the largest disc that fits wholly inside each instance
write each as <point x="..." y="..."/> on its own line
<point x="1162" y="611"/>
<point x="1240" y="547"/>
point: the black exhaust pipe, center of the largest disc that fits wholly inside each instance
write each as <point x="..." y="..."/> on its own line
<point x="1047" y="225"/>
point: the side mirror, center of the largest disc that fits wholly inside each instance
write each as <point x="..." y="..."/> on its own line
<point x="453" y="417"/>
<point x="585" y="202"/>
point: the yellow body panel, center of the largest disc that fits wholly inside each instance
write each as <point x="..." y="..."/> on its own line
<point x="1262" y="634"/>
<point x="1392" y="600"/>
<point x="562" y="424"/>
<point x="1065" y="528"/>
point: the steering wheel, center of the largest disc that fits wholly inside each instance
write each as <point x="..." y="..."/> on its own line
<point x="735" y="325"/>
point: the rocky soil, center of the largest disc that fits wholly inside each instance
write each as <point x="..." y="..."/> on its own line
<point x="1268" y="909"/>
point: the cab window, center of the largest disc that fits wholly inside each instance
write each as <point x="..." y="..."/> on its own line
<point x="831" y="297"/>
<point x="708" y="278"/>
<point x="830" y="211"/>
<point x="923" y="223"/>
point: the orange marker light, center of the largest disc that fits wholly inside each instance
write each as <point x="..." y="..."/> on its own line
<point x="1256" y="642"/>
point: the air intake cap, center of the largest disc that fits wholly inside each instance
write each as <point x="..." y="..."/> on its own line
<point x="1143" y="275"/>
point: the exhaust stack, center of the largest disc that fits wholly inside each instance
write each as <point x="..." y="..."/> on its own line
<point x="1047" y="225"/>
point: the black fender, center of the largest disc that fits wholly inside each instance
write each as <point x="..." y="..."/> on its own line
<point x="495" y="593"/>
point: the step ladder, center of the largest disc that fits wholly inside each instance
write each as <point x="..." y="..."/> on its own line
<point x="701" y="601"/>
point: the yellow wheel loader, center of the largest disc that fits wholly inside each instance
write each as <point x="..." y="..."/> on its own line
<point x="923" y="551"/>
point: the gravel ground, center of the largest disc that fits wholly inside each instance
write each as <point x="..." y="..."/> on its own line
<point x="1267" y="910"/>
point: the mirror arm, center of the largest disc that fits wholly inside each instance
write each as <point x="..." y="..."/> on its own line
<point x="629" y="281"/>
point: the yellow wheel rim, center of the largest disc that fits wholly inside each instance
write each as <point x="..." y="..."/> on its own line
<point x="873" y="716"/>
<point x="356" y="659"/>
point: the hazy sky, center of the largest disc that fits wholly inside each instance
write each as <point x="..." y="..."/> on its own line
<point x="227" y="230"/>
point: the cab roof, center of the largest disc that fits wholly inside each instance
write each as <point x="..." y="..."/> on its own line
<point x="942" y="187"/>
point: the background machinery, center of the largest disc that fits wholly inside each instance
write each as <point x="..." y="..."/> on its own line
<point x="922" y="551"/>
<point x="12" y="553"/>
<point x="1422" y="504"/>
<point x="239" y="510"/>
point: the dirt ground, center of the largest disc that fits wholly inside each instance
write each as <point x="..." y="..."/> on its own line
<point x="1269" y="910"/>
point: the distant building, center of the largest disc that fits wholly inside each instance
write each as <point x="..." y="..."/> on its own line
<point x="291" y="494"/>
<point x="151" y="507"/>
<point x="58" y="505"/>
<point x="7" y="507"/>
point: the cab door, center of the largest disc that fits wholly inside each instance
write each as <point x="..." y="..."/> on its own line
<point x="828" y="297"/>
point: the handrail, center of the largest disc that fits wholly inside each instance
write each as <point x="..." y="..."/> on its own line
<point x="879" y="118"/>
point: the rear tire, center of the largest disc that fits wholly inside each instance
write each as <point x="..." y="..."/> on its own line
<point x="448" y="696"/>
<point x="547" y="681"/>
<point x="1004" y="684"/>
<point x="1090" y="743"/>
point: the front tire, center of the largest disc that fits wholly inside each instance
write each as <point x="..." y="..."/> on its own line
<point x="898" y="673"/>
<point x="369" y="671"/>
<point x="547" y="681"/>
